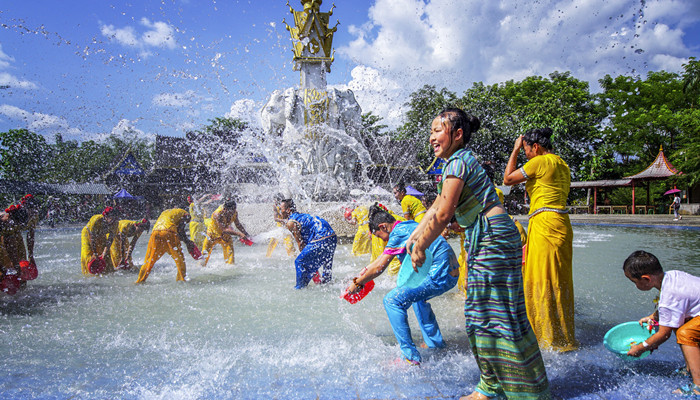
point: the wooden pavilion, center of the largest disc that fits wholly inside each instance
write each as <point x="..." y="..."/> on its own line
<point x="661" y="168"/>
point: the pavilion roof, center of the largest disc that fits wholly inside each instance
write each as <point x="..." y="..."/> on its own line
<point x="602" y="183"/>
<point x="660" y="168"/>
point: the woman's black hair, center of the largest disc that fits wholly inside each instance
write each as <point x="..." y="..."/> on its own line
<point x="379" y="215"/>
<point x="230" y="204"/>
<point x="290" y="205"/>
<point x="19" y="215"/>
<point x="641" y="263"/>
<point x="401" y="187"/>
<point x="456" y="118"/>
<point x="541" y="136"/>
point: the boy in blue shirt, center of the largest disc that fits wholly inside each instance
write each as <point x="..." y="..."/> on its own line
<point x="442" y="276"/>
<point x="678" y="310"/>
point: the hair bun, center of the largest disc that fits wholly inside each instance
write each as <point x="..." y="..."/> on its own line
<point x="474" y="123"/>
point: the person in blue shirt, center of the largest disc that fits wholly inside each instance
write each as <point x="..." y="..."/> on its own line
<point x="442" y="276"/>
<point x="316" y="240"/>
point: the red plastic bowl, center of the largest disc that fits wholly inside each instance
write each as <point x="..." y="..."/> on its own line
<point x="10" y="284"/>
<point x="97" y="266"/>
<point x="28" y="271"/>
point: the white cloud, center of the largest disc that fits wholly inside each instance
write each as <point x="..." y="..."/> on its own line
<point x="5" y="60"/>
<point x="157" y="34"/>
<point x="8" y="80"/>
<point x="41" y="123"/>
<point x="246" y="110"/>
<point x="452" y="43"/>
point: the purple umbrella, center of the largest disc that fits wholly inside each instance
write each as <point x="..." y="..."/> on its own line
<point x="672" y="191"/>
<point x="412" y="191"/>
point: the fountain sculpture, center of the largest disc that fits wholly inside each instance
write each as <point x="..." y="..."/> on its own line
<point x="316" y="129"/>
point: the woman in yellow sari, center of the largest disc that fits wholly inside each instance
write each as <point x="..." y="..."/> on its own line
<point x="547" y="272"/>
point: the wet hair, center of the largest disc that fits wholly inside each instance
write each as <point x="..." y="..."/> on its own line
<point x="290" y="205"/>
<point x="641" y="263"/>
<point x="230" y="204"/>
<point x="378" y="214"/>
<point x="277" y="198"/>
<point x="401" y="187"/>
<point x="18" y="214"/>
<point x="456" y="119"/>
<point x="145" y="223"/>
<point x="541" y="136"/>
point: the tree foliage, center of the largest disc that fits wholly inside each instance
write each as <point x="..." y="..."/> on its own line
<point x="27" y="156"/>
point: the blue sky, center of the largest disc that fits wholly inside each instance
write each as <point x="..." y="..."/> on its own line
<point x="91" y="68"/>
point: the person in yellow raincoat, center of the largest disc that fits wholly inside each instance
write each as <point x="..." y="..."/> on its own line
<point x="97" y="237"/>
<point x="220" y="231"/>
<point x="198" y="228"/>
<point x="547" y="272"/>
<point x="10" y="222"/>
<point x="362" y="243"/>
<point x="121" y="248"/>
<point x="14" y="241"/>
<point x="168" y="232"/>
<point x="288" y="238"/>
<point x="411" y="206"/>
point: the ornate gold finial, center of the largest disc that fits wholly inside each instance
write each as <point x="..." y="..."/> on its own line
<point x="311" y="35"/>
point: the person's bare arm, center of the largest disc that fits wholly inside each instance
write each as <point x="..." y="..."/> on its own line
<point x="444" y="207"/>
<point x="373" y="270"/>
<point x="512" y="174"/>
<point x="294" y="227"/>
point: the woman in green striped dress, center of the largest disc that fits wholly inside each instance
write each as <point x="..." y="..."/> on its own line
<point x="499" y="333"/>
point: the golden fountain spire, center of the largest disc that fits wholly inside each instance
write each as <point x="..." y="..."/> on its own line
<point x="311" y="35"/>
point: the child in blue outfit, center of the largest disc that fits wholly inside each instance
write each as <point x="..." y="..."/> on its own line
<point x="317" y="242"/>
<point x="678" y="310"/>
<point x="442" y="276"/>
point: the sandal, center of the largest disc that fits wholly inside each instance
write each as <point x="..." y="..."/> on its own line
<point x="688" y="390"/>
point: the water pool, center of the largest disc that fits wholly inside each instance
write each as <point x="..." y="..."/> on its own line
<point x="243" y="332"/>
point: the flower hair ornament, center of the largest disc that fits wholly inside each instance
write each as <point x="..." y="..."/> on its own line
<point x="26" y="198"/>
<point x="13" y="208"/>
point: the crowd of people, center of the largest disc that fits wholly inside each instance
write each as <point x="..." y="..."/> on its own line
<point x="517" y="286"/>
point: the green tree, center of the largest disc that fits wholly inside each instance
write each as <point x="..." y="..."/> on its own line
<point x="23" y="155"/>
<point x="691" y="80"/>
<point x="642" y="115"/>
<point x="563" y="103"/>
<point x="423" y="105"/>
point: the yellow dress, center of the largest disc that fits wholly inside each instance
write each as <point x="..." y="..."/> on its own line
<point x="96" y="230"/>
<point x="197" y="226"/>
<point x="411" y="205"/>
<point x="362" y="244"/>
<point x="125" y="229"/>
<point x="288" y="243"/>
<point x="216" y="235"/>
<point x="165" y="239"/>
<point x="462" y="259"/>
<point x="547" y="272"/>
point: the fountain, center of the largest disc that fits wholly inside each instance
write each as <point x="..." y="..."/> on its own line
<point x="242" y="332"/>
<point x="317" y="129"/>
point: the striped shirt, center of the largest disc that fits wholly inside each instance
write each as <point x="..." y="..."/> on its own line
<point x="478" y="191"/>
